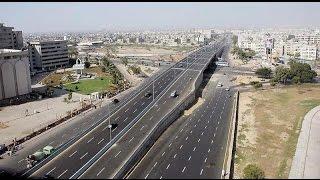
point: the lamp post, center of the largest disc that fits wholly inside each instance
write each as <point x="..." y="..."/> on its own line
<point x="110" y="126"/>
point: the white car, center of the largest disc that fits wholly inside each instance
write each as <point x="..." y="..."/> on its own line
<point x="227" y="89"/>
<point x="219" y="85"/>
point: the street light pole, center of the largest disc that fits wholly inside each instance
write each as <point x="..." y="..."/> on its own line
<point x="109" y="119"/>
<point x="153" y="90"/>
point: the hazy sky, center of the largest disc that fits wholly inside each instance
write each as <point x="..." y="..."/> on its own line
<point x="86" y="16"/>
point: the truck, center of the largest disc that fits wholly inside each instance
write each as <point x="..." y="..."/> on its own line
<point x="39" y="155"/>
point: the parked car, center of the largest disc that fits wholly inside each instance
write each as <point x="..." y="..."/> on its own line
<point x="147" y="94"/>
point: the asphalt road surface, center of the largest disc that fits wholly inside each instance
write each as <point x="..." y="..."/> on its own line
<point x="195" y="146"/>
<point x="68" y="162"/>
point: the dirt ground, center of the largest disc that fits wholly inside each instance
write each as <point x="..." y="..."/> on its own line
<point x="269" y="125"/>
<point x="237" y="80"/>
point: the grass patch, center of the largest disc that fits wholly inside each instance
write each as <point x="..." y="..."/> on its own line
<point x="277" y="116"/>
<point x="91" y="85"/>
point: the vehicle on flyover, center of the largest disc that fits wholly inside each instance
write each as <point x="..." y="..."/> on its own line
<point x="173" y="94"/>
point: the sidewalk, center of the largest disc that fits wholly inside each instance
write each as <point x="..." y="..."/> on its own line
<point x="305" y="161"/>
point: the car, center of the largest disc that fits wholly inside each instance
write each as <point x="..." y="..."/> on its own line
<point x="224" y="73"/>
<point x="147" y="94"/>
<point x="173" y="94"/>
<point x="180" y="65"/>
<point x="115" y="101"/>
<point x="112" y="125"/>
<point x="227" y="89"/>
<point x="219" y="84"/>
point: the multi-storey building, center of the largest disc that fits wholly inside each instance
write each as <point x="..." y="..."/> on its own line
<point x="14" y="73"/>
<point x="48" y="55"/>
<point x="10" y="39"/>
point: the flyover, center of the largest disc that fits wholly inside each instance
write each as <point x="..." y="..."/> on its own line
<point x="67" y="163"/>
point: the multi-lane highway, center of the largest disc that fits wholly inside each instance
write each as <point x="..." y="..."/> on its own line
<point x="195" y="147"/>
<point x="72" y="159"/>
<point x="111" y="162"/>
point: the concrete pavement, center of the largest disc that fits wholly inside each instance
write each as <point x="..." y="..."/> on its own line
<point x="305" y="164"/>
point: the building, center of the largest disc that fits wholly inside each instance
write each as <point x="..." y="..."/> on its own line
<point x="10" y="39"/>
<point x="14" y="73"/>
<point x="48" y="55"/>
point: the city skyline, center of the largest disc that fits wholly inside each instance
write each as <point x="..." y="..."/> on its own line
<point x="83" y="16"/>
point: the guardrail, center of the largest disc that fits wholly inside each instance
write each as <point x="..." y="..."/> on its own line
<point x="107" y="146"/>
<point x="76" y="138"/>
<point x="160" y="127"/>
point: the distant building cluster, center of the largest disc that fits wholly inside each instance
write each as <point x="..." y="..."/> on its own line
<point x="281" y="46"/>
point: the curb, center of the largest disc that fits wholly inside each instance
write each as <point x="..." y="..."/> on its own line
<point x="232" y="143"/>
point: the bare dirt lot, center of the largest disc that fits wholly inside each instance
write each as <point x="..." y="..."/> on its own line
<point x="269" y="125"/>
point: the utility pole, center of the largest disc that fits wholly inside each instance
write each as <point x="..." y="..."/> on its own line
<point x="110" y="127"/>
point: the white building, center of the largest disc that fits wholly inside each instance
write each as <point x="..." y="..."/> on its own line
<point x="48" y="55"/>
<point x="14" y="73"/>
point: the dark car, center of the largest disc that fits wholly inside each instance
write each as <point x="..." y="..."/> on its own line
<point x="3" y="148"/>
<point x="115" y="101"/>
<point x="147" y="94"/>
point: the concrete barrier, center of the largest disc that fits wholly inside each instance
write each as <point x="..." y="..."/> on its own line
<point x="233" y="141"/>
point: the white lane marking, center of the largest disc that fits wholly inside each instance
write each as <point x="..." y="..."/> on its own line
<point x="155" y="164"/>
<point x="187" y="138"/>
<point x="146" y="176"/>
<point x="126" y="110"/>
<point x="104" y="128"/>
<point x="134" y="110"/>
<point x="202" y="133"/>
<point x="214" y="135"/>
<point x="101" y="171"/>
<point x="181" y="130"/>
<point x="141" y="127"/>
<point x="205" y="127"/>
<point x="191" y="131"/>
<point x="51" y="142"/>
<point x="90" y="140"/>
<point x="210" y="116"/>
<point x="164" y="101"/>
<point x="114" y="129"/>
<point x="125" y="119"/>
<point x="168" y="166"/>
<point x="216" y="128"/>
<point x="170" y="144"/>
<point x="198" y="120"/>
<point x="183" y="169"/>
<point x="189" y="158"/>
<point x="117" y="154"/>
<point x="142" y="103"/>
<point x="194" y="148"/>
<point x="176" y="137"/>
<point x="201" y="115"/>
<point x="208" y="150"/>
<point x="208" y="121"/>
<point x="199" y="140"/>
<point x="211" y="141"/>
<point x="135" y="103"/>
<point x="83" y="155"/>
<point x="174" y="156"/>
<point x="73" y="153"/>
<point x="63" y="173"/>
<point x="205" y="160"/>
<point x="50" y="171"/>
<point x="163" y="153"/>
<point x="181" y="146"/>
<point x="131" y="139"/>
<point x="201" y="172"/>
<point x="21" y="160"/>
<point x="117" y="118"/>
<point x="151" y="117"/>
<point x="101" y="140"/>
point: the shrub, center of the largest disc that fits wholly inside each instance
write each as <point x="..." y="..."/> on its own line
<point x="252" y="171"/>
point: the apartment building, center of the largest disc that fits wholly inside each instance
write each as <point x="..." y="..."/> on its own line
<point x="311" y="39"/>
<point x="10" y="39"/>
<point x="14" y="73"/>
<point x="48" y="55"/>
